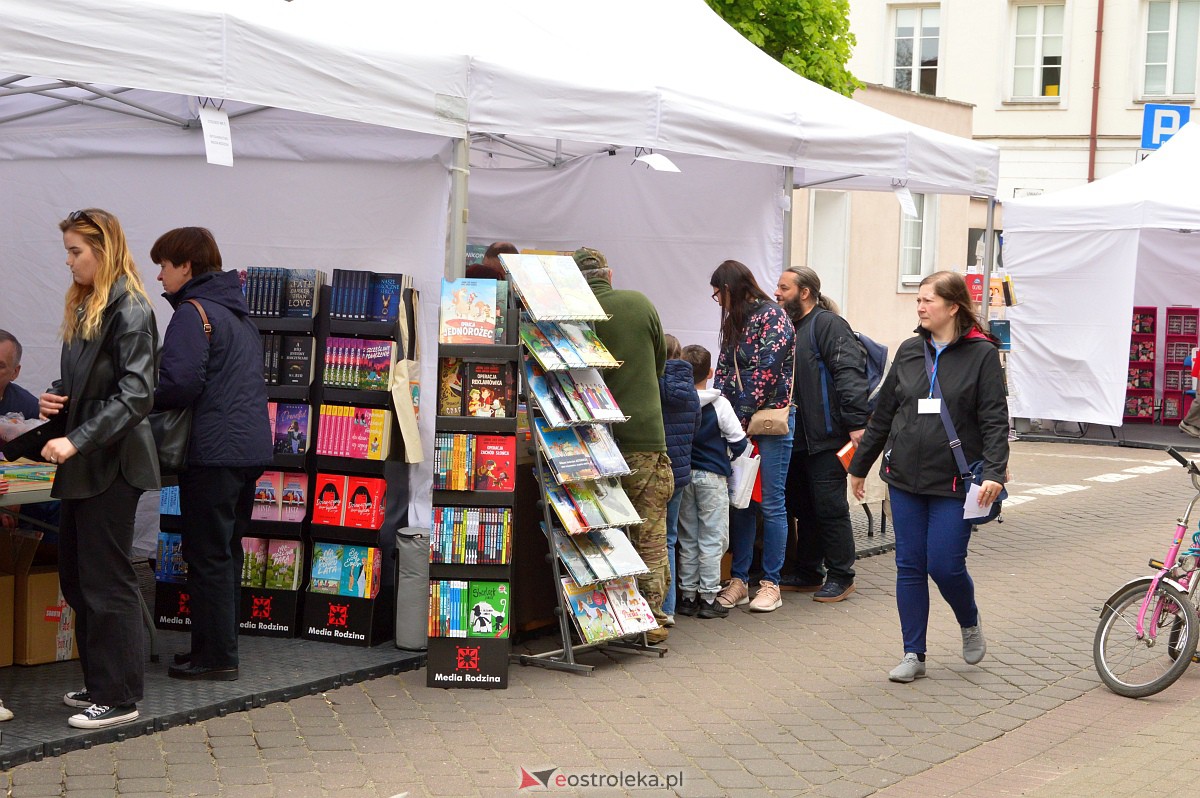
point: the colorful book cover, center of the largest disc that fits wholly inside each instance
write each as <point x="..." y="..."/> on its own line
<point x="329" y="491"/>
<point x="291" y="428"/>
<point x="385" y="296"/>
<point x="294" y="496"/>
<point x="268" y="496"/>
<point x="629" y="606"/>
<point x="562" y="345"/>
<point x="567" y="455"/>
<point x="588" y="345"/>
<point x="614" y="502"/>
<point x="591" y="611"/>
<point x="379" y="434"/>
<point x="603" y="449"/>
<point x="619" y="551"/>
<point x="365" y="502"/>
<point x="284" y="559"/>
<point x="570" y="516"/>
<point x="540" y="347"/>
<point x="168" y="500"/>
<point x="576" y="565"/>
<point x="254" y="562"/>
<point x="488" y="390"/>
<point x="570" y="397"/>
<point x="450" y="386"/>
<point x="1002" y="330"/>
<point x="326" y="573"/>
<point x="375" y="364"/>
<point x="169" y="565"/>
<point x="487" y="609"/>
<point x="595" y="394"/>
<point x="360" y="571"/>
<point x="501" y="310"/>
<point x="529" y="279"/>
<point x="359" y="433"/>
<point x="578" y="300"/>
<point x="537" y="381"/>
<point x="467" y="314"/>
<point x="583" y="495"/>
<point x="495" y="462"/>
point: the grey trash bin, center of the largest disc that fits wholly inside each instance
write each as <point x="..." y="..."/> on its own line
<point x="412" y="588"/>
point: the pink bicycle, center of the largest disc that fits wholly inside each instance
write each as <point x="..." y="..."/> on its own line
<point x="1148" y="628"/>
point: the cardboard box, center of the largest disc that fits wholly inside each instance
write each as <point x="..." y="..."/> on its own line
<point x="43" y="624"/>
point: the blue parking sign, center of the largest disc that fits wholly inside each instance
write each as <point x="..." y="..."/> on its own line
<point x="1160" y="122"/>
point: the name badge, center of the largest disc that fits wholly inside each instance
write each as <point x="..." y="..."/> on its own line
<point x="930" y="405"/>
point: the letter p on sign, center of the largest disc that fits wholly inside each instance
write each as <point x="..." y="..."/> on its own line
<point x="1160" y="122"/>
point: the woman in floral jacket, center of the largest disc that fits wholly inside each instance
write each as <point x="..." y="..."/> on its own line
<point x="754" y="372"/>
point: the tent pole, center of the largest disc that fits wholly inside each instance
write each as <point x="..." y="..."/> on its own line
<point x="988" y="257"/>
<point x="789" y="192"/>
<point x="456" y="232"/>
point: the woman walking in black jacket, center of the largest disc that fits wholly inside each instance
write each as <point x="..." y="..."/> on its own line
<point x="221" y="379"/>
<point x="925" y="486"/>
<point x="106" y="459"/>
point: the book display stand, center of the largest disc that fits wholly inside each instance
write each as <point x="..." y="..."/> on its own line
<point x="1143" y="348"/>
<point x="1178" y="346"/>
<point x="577" y="465"/>
<point x="474" y="498"/>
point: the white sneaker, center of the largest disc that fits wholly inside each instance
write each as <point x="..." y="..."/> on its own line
<point x="974" y="646"/>
<point x="910" y="668"/>
<point x="5" y="712"/>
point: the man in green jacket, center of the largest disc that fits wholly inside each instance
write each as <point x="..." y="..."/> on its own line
<point x="634" y="336"/>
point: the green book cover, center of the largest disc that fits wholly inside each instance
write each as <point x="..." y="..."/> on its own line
<point x="487" y="609"/>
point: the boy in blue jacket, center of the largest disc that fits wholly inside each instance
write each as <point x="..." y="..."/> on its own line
<point x="681" y="415"/>
<point x="704" y="511"/>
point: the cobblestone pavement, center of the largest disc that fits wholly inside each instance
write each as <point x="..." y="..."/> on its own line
<point x="794" y="702"/>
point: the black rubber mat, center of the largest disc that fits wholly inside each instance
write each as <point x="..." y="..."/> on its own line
<point x="272" y="670"/>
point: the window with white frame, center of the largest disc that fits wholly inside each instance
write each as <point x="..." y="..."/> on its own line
<point x="1172" y="30"/>
<point x="918" y="240"/>
<point x="1037" y="51"/>
<point x="915" y="58"/>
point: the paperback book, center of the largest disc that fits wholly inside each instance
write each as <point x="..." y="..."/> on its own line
<point x="361" y="570"/>
<point x="284" y="559"/>
<point x="603" y="449"/>
<point x="326" y="573"/>
<point x="294" y="496"/>
<point x="595" y="394"/>
<point x="291" y="428"/>
<point x="632" y="611"/>
<point x="577" y="296"/>
<point x="583" y="496"/>
<point x="489" y="390"/>
<point x="365" y="503"/>
<point x="495" y="462"/>
<point x="597" y="562"/>
<point x="570" y="516"/>
<point x="574" y="562"/>
<point x="567" y="455"/>
<point x="268" y="493"/>
<point x="169" y="565"/>
<point x="254" y="562"/>
<point x="588" y="345"/>
<point x="619" y="551"/>
<point x="295" y="360"/>
<point x="386" y="292"/>
<point x="329" y="490"/>
<point x="562" y="345"/>
<point x="467" y="314"/>
<point x="450" y="387"/>
<point x="375" y="364"/>
<point x="537" y="381"/>
<point x="487" y="609"/>
<point x="528" y="277"/>
<point x="590" y="609"/>
<point x="615" y="505"/>
<point x="540" y="347"/>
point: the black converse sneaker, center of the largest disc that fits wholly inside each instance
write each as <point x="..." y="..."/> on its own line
<point x="80" y="699"/>
<point x="98" y="716"/>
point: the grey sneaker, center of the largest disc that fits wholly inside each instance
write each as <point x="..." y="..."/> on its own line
<point x="1189" y="429"/>
<point x="974" y="646"/>
<point x="909" y="668"/>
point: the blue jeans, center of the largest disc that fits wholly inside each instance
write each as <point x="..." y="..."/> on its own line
<point x="775" y="452"/>
<point x="672" y="538"/>
<point x="703" y="534"/>
<point x="931" y="541"/>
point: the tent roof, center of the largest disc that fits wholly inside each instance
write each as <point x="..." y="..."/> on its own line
<point x="668" y="75"/>
<point x="1159" y="191"/>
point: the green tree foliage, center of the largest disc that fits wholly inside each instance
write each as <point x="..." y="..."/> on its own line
<point x="809" y="37"/>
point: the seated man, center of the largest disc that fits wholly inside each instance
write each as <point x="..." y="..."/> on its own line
<point x="15" y="399"/>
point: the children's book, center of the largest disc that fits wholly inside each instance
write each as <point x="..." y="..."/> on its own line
<point x="573" y="411"/>
<point x="540" y="347"/>
<point x="596" y="560"/>
<point x="595" y="394"/>
<point x="632" y="611"/>
<point x="567" y="455"/>
<point x="619" y="551"/>
<point x="591" y="611"/>
<point x="291" y="428"/>
<point x="570" y="516"/>
<point x="450" y="387"/>
<point x="326" y="573"/>
<point x="329" y="492"/>
<point x="575" y="564"/>
<point x="365" y="502"/>
<point x="495" y="462"/>
<point x="169" y="565"/>
<point x="268" y="495"/>
<point x="537" y="381"/>
<point x="578" y="300"/>
<point x="615" y="505"/>
<point x="562" y="345"/>
<point x="487" y="609"/>
<point x="375" y="364"/>
<point x="583" y="496"/>
<point x="284" y="559"/>
<point x="489" y="390"/>
<point x="528" y="277"/>
<point x="361" y="569"/>
<point x="467" y="314"/>
<point x="588" y="345"/>
<point x="603" y="449"/>
<point x="254" y="561"/>
<point x="294" y="496"/>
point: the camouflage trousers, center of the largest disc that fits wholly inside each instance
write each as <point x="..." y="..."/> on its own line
<point x="649" y="489"/>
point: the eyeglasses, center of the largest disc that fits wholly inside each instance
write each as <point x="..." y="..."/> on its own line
<point x="81" y="216"/>
<point x="716" y="295"/>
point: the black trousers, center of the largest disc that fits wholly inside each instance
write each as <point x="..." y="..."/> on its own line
<point x="215" y="504"/>
<point x="98" y="581"/>
<point x="816" y="499"/>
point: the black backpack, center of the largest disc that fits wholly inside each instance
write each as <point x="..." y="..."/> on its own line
<point x="876" y="367"/>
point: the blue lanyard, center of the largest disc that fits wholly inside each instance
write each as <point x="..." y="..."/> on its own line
<point x="933" y="372"/>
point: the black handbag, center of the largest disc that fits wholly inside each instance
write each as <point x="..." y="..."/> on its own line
<point x="172" y="428"/>
<point x="973" y="473"/>
<point x="30" y="444"/>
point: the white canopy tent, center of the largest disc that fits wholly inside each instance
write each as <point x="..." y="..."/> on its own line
<point x="350" y="121"/>
<point x="1081" y="259"/>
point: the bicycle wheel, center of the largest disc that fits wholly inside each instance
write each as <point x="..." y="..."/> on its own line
<point x="1135" y="667"/>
